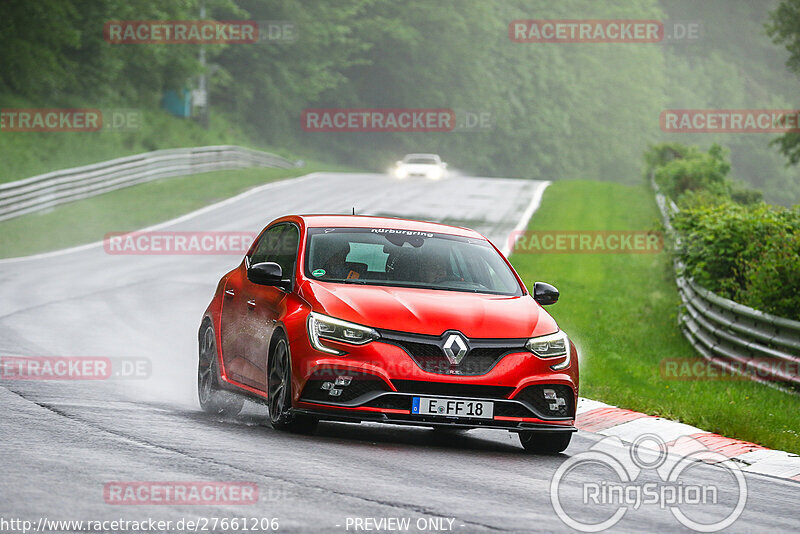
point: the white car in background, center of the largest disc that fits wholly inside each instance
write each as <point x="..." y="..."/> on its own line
<point x="426" y="165"/>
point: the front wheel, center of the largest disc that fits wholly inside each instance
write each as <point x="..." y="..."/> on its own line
<point x="279" y="392"/>
<point x="544" y="442"/>
<point x="213" y="399"/>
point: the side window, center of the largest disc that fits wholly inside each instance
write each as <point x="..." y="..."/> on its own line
<point x="278" y="244"/>
<point x="265" y="249"/>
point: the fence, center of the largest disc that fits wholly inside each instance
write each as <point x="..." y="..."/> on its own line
<point x="48" y="190"/>
<point x="745" y="341"/>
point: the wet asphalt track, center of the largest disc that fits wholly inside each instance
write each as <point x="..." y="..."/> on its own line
<point x="63" y="441"/>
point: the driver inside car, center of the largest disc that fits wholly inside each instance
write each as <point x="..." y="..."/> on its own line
<point x="434" y="270"/>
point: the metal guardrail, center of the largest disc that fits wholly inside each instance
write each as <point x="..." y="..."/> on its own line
<point x="48" y="190"/>
<point x="735" y="337"/>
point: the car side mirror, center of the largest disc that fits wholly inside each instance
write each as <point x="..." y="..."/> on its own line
<point x="544" y="294"/>
<point x="267" y="273"/>
<point x="444" y="164"/>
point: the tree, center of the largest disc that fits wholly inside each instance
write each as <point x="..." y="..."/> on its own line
<point x="784" y="28"/>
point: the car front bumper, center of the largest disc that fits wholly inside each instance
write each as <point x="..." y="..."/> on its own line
<point x="384" y="379"/>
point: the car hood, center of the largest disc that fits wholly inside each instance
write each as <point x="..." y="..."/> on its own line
<point x="432" y="312"/>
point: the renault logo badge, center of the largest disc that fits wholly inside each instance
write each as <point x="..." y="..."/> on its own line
<point x="455" y="348"/>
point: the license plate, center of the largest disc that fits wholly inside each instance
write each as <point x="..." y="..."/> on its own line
<point x="452" y="407"/>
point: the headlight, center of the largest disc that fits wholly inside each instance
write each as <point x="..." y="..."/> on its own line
<point x="323" y="327"/>
<point x="551" y="346"/>
<point x="401" y="172"/>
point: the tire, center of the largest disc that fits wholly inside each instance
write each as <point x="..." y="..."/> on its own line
<point x="544" y="442"/>
<point x="213" y="399"/>
<point x="279" y="392"/>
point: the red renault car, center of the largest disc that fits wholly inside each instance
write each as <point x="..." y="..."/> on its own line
<point x="353" y="318"/>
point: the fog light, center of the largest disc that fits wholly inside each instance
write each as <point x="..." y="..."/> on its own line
<point x="335" y="392"/>
<point x="343" y="380"/>
<point x="326" y="385"/>
<point x="550" y="394"/>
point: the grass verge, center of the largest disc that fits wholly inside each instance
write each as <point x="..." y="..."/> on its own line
<point x="131" y="208"/>
<point x="621" y="310"/>
<point x="26" y="154"/>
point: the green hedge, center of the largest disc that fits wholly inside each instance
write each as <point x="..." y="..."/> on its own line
<point x="684" y="172"/>
<point x="731" y="242"/>
<point x="750" y="254"/>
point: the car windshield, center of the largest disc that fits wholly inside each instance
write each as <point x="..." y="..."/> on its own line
<point x="405" y="258"/>
<point x="420" y="161"/>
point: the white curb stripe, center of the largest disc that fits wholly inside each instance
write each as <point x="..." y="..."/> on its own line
<point x="536" y="201"/>
<point x="587" y="405"/>
<point x="663" y="428"/>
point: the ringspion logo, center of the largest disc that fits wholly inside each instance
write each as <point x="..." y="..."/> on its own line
<point x="181" y="32"/>
<point x="593" y="490"/>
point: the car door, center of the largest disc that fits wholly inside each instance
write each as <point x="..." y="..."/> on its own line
<point x="249" y="311"/>
<point x="232" y="326"/>
<point x="260" y="307"/>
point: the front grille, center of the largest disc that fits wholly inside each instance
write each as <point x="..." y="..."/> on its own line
<point x="391" y="402"/>
<point x="534" y="395"/>
<point x="510" y="409"/>
<point x="476" y="362"/>
<point x="361" y="384"/>
<point x="428" y="353"/>
<point x="452" y="390"/>
<point x="422" y="350"/>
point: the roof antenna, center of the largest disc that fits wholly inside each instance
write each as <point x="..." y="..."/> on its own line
<point x="354" y="210"/>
